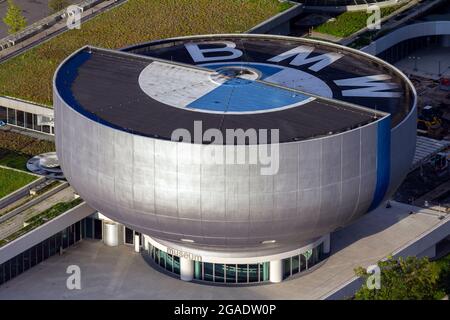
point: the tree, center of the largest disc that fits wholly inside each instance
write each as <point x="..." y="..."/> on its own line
<point x="14" y="18"/>
<point x="57" y="5"/>
<point x="402" y="279"/>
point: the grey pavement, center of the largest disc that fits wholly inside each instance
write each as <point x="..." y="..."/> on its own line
<point x="427" y="63"/>
<point x="120" y="273"/>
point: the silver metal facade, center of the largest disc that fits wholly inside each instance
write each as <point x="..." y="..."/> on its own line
<point x="148" y="184"/>
<point x="145" y="184"/>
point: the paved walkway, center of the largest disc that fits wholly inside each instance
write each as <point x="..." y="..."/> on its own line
<point x="119" y="273"/>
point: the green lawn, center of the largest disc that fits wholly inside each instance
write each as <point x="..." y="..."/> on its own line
<point x="29" y="76"/>
<point x="11" y="180"/>
<point x="13" y="159"/>
<point x="350" y="22"/>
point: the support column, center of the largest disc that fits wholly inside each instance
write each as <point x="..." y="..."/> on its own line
<point x="136" y="243"/>
<point x="326" y="244"/>
<point x="146" y="244"/>
<point x="186" y="269"/>
<point x="276" y="271"/>
<point x="111" y="234"/>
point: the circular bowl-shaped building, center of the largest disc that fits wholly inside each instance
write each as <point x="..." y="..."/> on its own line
<point x="233" y="148"/>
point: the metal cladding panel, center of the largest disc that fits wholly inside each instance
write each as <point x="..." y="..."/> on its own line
<point x="149" y="185"/>
<point x="403" y="147"/>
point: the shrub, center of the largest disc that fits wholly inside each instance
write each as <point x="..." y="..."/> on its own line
<point x="350" y="22"/>
<point x="14" y="18"/>
<point x="403" y="279"/>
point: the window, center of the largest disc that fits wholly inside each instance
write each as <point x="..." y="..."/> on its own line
<point x="169" y="263"/>
<point x="65" y="239"/>
<point x="89" y="228"/>
<point x="176" y="265"/>
<point x="11" y="116"/>
<point x="2" y="278"/>
<point x="295" y="264"/>
<point x="7" y="270"/>
<point x="43" y="250"/>
<point x="162" y="259"/>
<point x="157" y="255"/>
<point x="3" y="114"/>
<point x="152" y="252"/>
<point x="46" y="129"/>
<point x="230" y="270"/>
<point x="208" y="271"/>
<point x="20" y="118"/>
<point x="129" y="239"/>
<point x="253" y="273"/>
<point x="39" y="253"/>
<point x="98" y="229"/>
<point x="33" y="257"/>
<point x="242" y="273"/>
<point x="26" y="260"/>
<point x="52" y="246"/>
<point x="286" y="267"/>
<point x="71" y="234"/>
<point x="35" y="123"/>
<point x="77" y="231"/>
<point x="13" y="267"/>
<point x="28" y="120"/>
<point x="58" y="242"/>
<point x="219" y="272"/>
<point x="264" y="271"/>
<point x="302" y="263"/>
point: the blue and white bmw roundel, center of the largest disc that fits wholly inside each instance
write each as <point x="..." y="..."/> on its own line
<point x="232" y="88"/>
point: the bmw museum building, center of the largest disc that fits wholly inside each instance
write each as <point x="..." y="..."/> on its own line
<point x="340" y="123"/>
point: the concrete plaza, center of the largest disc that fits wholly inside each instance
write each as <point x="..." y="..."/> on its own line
<point x="120" y="273"/>
<point x="429" y="63"/>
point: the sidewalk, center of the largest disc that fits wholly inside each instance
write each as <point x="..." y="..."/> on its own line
<point x="120" y="273"/>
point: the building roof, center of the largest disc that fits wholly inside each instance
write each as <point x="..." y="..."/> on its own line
<point x="157" y="88"/>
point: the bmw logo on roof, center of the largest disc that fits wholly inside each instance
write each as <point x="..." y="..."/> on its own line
<point x="241" y="75"/>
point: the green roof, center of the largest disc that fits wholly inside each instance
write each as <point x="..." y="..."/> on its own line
<point x="29" y="75"/>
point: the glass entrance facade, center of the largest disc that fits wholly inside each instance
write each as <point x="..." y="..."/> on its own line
<point x="303" y="261"/>
<point x="166" y="261"/>
<point x="231" y="273"/>
<point x="238" y="273"/>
